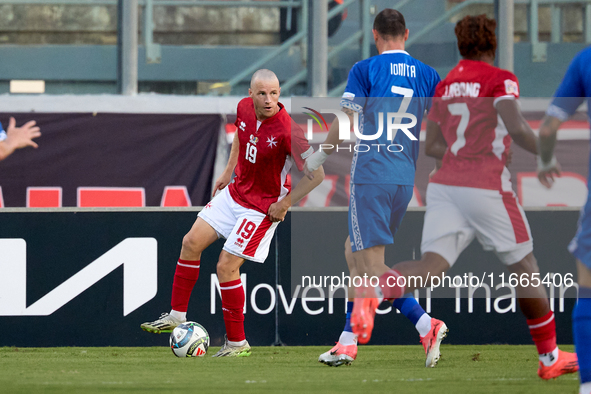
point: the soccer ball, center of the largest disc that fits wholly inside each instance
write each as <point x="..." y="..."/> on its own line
<point x="189" y="339"/>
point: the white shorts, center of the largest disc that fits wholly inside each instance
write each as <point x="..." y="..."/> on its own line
<point x="248" y="233"/>
<point x="455" y="215"/>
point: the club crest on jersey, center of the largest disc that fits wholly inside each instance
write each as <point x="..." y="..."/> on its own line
<point x="242" y="126"/>
<point x="253" y="139"/>
<point x="511" y="87"/>
<point x="272" y="142"/>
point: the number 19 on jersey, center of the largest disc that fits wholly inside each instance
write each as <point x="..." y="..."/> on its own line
<point x="251" y="153"/>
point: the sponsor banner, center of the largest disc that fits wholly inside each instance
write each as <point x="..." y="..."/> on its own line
<point x="112" y="160"/>
<point x="91" y="279"/>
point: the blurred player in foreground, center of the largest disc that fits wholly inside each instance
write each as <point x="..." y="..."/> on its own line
<point x="246" y="212"/>
<point x="382" y="180"/>
<point x="575" y="86"/>
<point x="475" y="116"/>
<point x="17" y="137"/>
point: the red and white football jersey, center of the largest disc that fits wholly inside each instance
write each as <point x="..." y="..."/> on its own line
<point x="477" y="140"/>
<point x="265" y="157"/>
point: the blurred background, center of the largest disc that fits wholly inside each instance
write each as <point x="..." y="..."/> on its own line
<point x="194" y="47"/>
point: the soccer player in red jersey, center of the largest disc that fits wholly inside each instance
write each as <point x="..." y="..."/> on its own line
<point x="474" y="118"/>
<point x="247" y="211"/>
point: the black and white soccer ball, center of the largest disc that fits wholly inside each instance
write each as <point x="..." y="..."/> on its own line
<point x="189" y="339"/>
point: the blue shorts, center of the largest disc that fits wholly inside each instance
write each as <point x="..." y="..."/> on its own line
<point x="375" y="213"/>
<point x="580" y="246"/>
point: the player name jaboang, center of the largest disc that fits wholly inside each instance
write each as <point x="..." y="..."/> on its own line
<point x="462" y="89"/>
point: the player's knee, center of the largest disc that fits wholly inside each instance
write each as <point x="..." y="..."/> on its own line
<point x="226" y="268"/>
<point x="222" y="269"/>
<point x="190" y="243"/>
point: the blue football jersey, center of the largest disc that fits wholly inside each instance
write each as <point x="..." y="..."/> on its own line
<point x="392" y="82"/>
<point x="574" y="88"/>
<point x="2" y="133"/>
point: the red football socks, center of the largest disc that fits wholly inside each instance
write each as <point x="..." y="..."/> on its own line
<point x="543" y="332"/>
<point x="185" y="277"/>
<point x="233" y="299"/>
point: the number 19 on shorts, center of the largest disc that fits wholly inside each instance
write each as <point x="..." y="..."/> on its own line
<point x="248" y="227"/>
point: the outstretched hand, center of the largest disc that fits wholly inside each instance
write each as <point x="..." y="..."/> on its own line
<point x="547" y="171"/>
<point x="546" y="176"/>
<point x="21" y="137"/>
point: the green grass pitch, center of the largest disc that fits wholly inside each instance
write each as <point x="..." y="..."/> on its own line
<point x="498" y="369"/>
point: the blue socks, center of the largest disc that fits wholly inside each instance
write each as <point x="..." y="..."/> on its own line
<point x="409" y="307"/>
<point x="582" y="333"/>
<point x="348" y="318"/>
<point x="347" y="337"/>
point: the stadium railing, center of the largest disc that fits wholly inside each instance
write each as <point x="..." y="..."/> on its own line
<point x="539" y="50"/>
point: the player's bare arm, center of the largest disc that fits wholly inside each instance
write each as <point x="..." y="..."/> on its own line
<point x="278" y="210"/>
<point x="333" y="133"/>
<point x="19" y="137"/>
<point x="318" y="158"/>
<point x="548" y="167"/>
<point x="517" y="126"/>
<point x="435" y="145"/>
<point x="226" y="177"/>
